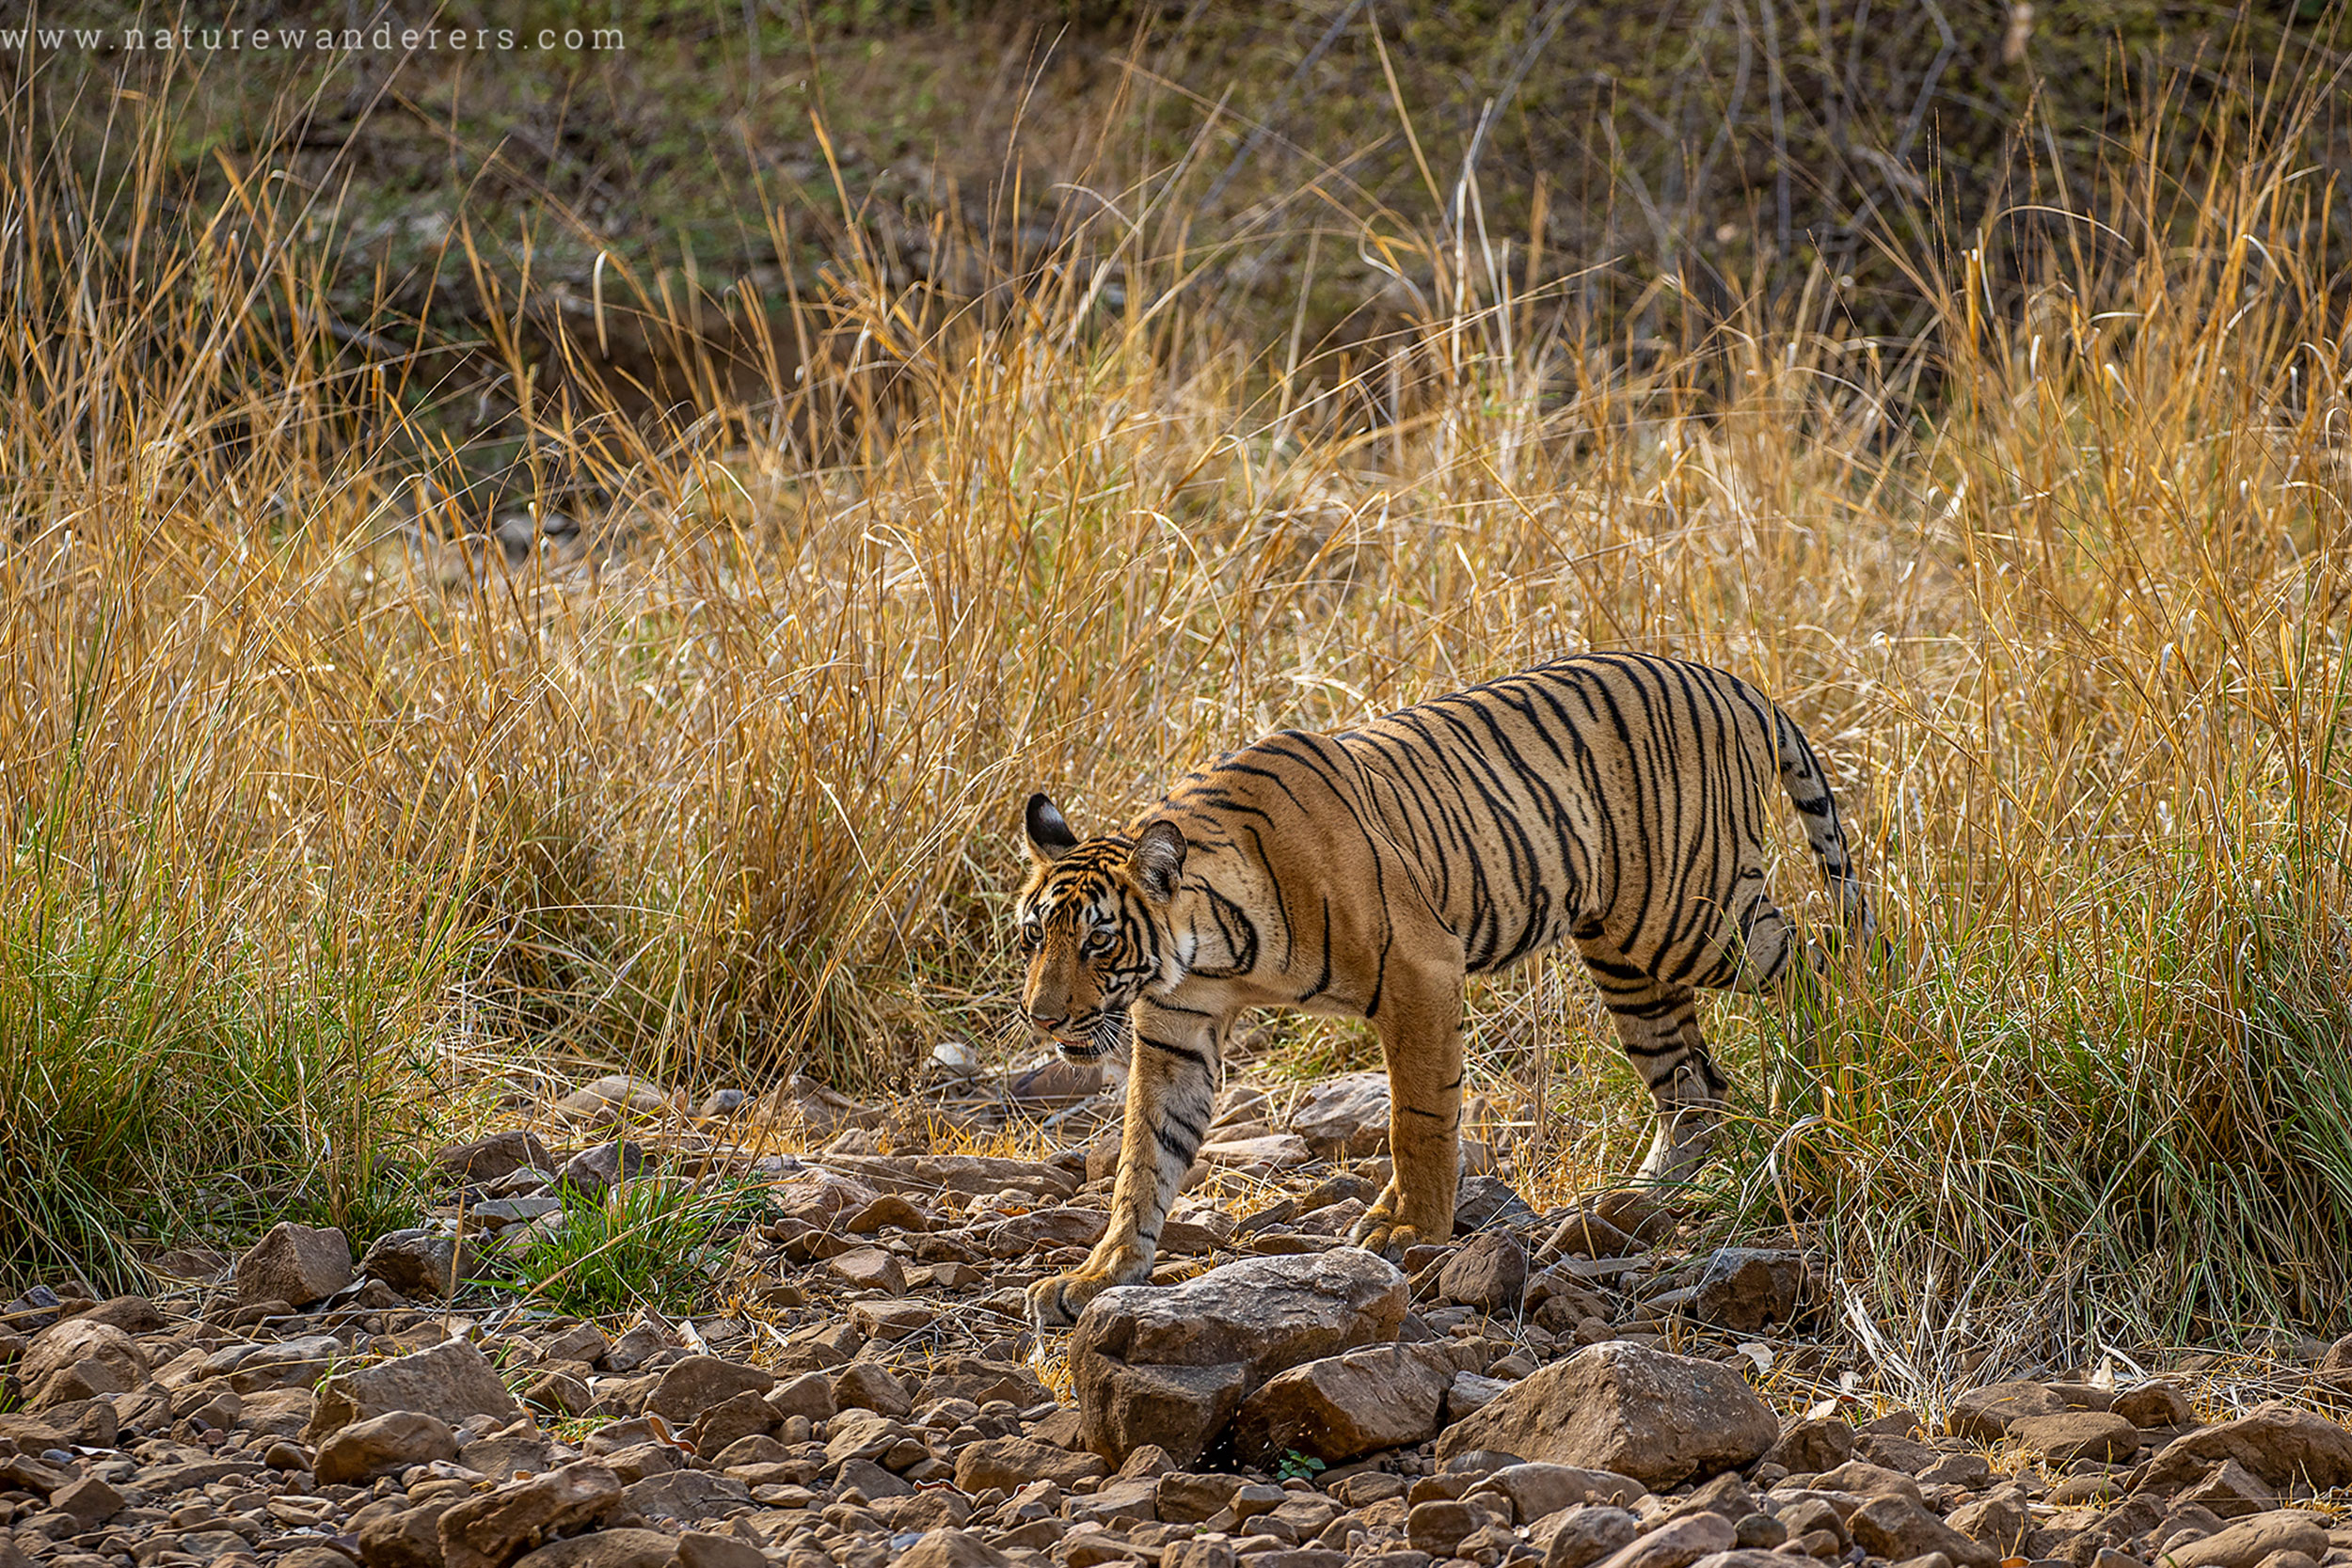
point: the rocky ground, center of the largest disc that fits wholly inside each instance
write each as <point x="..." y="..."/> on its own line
<point x="1578" y="1388"/>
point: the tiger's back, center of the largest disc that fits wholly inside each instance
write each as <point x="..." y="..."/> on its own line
<point x="1618" y="802"/>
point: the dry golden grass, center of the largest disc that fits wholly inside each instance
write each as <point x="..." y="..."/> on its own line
<point x="298" y="825"/>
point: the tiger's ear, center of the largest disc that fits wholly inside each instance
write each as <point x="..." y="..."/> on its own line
<point x="1158" y="860"/>
<point x="1050" y="837"/>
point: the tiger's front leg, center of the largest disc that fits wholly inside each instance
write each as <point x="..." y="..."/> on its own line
<point x="1171" y="1093"/>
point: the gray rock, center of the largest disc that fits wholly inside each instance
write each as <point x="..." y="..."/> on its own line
<point x="1134" y="1499"/>
<point x="1268" y="1152"/>
<point x="301" y="1557"/>
<point x="1539" y="1491"/>
<point x="1970" y="1472"/>
<point x="1470" y="1392"/>
<point x="702" y="1549"/>
<point x="978" y="1379"/>
<point x="79" y="1359"/>
<point x="1581" y="1534"/>
<point x="402" y="1537"/>
<point x="1748" y="1289"/>
<point x="870" y="1385"/>
<point x="593" y="1172"/>
<point x="2229" y="1490"/>
<point x="1169" y="1366"/>
<point x="867" y="1268"/>
<point x="294" y="1263"/>
<point x="614" y="1097"/>
<point x="732" y="1419"/>
<point x="809" y="1394"/>
<point x="1984" y="1414"/>
<point x="2073" y="1435"/>
<point x="1219" y="1554"/>
<point x="634" y="1462"/>
<point x="422" y="1264"/>
<point x="382" y="1446"/>
<point x="924" y="1177"/>
<point x="696" y="1382"/>
<point x="1013" y="1462"/>
<point x="1677" y="1543"/>
<point x="288" y="1364"/>
<point x="1582" y="1233"/>
<point x="1068" y="1225"/>
<point x="556" y="1392"/>
<point x="493" y="1530"/>
<point x="505" y="1454"/>
<point x="1346" y="1117"/>
<point x="575" y="1342"/>
<point x="90" y="1502"/>
<point x="2250" y="1540"/>
<point x="1184" y="1498"/>
<point x="1487" y="1275"/>
<point x="1727" y="1494"/>
<point x="131" y="1314"/>
<point x="950" y="1548"/>
<point x="2000" y="1520"/>
<point x="862" y="1435"/>
<point x="1808" y="1445"/>
<point x="1483" y="1203"/>
<point x="637" y="1344"/>
<point x="97" y="1423"/>
<point x="1440" y="1525"/>
<point x="2335" y="1366"/>
<point x="871" y="1482"/>
<point x="686" y="1496"/>
<point x="1897" y="1529"/>
<point x="1865" y="1480"/>
<point x="162" y="1479"/>
<point x="450" y="1380"/>
<point x="2277" y="1442"/>
<point x="486" y="1160"/>
<point x="607" y="1548"/>
<point x="1342" y="1406"/>
<point x="1621" y="1406"/>
<point x="2156" y="1403"/>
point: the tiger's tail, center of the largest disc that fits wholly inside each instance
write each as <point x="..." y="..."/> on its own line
<point x="1808" y="790"/>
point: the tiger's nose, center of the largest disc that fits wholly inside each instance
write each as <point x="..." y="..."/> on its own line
<point x="1048" y="1022"/>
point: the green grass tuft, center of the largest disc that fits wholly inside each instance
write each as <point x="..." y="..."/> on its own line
<point x="652" y="1241"/>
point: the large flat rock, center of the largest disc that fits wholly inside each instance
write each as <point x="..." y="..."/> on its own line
<point x="1168" y="1366"/>
<point x="1621" y="1406"/>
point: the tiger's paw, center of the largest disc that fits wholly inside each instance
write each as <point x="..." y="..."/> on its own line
<point x="1055" y="1301"/>
<point x="1386" y="1235"/>
<point x="1679" y="1147"/>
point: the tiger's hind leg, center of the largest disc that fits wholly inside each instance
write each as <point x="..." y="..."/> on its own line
<point x="1419" y="1023"/>
<point x="1762" y="955"/>
<point x="1658" y="1024"/>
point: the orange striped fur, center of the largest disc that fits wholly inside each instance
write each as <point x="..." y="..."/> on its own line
<point x="1618" y="802"/>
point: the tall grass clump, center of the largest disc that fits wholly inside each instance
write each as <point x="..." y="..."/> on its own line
<point x="310" y="804"/>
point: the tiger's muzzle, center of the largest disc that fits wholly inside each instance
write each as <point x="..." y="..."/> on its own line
<point x="1090" y="1038"/>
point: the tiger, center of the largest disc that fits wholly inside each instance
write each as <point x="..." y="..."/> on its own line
<point x="1614" y="800"/>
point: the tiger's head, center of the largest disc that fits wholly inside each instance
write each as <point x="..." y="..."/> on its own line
<point x="1094" y="921"/>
